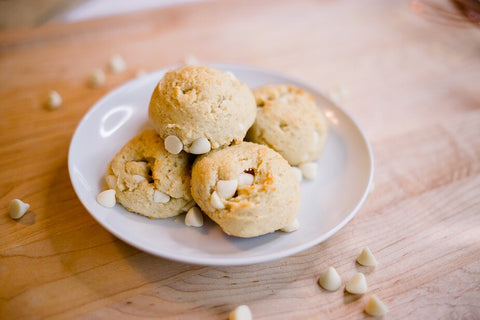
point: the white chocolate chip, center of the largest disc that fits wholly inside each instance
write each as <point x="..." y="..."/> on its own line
<point x="161" y="197"/>
<point x="226" y="188"/>
<point x="107" y="198"/>
<point x="316" y="138"/>
<point x="17" y="208"/>
<point x="190" y="59"/>
<point x="54" y="100"/>
<point x="173" y="144"/>
<point x="215" y="201"/>
<point x="241" y="313"/>
<point x="111" y="181"/>
<point x="375" y="307"/>
<point x="138" y="178"/>
<point x="194" y="217"/>
<point x="293" y="226"/>
<point x="330" y="280"/>
<point x="357" y="284"/>
<point x="231" y="76"/>
<point x="117" y="64"/>
<point x="366" y="258"/>
<point x="200" y="146"/>
<point x="224" y="103"/>
<point x="245" y="179"/>
<point x="189" y="205"/>
<point x="309" y="170"/>
<point x="298" y="173"/>
<point x="96" y="79"/>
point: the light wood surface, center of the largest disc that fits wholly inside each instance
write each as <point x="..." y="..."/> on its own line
<point x="412" y="81"/>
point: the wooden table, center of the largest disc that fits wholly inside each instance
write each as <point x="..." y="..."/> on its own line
<point x="408" y="73"/>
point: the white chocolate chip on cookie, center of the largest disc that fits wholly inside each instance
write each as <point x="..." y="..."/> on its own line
<point x="357" y="284"/>
<point x="138" y="178"/>
<point x="194" y="217"/>
<point x="173" y="144"/>
<point x="330" y="280"/>
<point x="159" y="196"/>
<point x="226" y="188"/>
<point x="200" y="146"/>
<point x="298" y="173"/>
<point x="107" y="198"/>
<point x="17" y="208"/>
<point x="309" y="170"/>
<point x="241" y="313"/>
<point x="215" y="201"/>
<point x="294" y="226"/>
<point x="245" y="179"/>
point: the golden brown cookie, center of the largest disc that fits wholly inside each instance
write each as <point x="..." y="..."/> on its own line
<point x="148" y="180"/>
<point x="247" y="188"/>
<point x="289" y="121"/>
<point x="201" y="103"/>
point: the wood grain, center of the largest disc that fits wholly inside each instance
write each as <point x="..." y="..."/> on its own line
<point x="411" y="83"/>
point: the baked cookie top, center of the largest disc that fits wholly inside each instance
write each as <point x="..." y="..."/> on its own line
<point x="289" y="121"/>
<point x="246" y="206"/>
<point x="148" y="180"/>
<point x="198" y="102"/>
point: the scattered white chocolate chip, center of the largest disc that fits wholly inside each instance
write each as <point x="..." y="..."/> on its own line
<point x="194" y="217"/>
<point x="111" y="181"/>
<point x="309" y="170"/>
<point x="140" y="73"/>
<point x="138" y="178"/>
<point x="117" y="64"/>
<point x="226" y="188"/>
<point x="96" y="79"/>
<point x="215" y="201"/>
<point x="107" y="198"/>
<point x="375" y="307"/>
<point x="17" y="208"/>
<point x="245" y="179"/>
<point x="173" y="144"/>
<point x="54" y="100"/>
<point x="330" y="280"/>
<point x="241" y="313"/>
<point x="159" y="196"/>
<point x="366" y="258"/>
<point x="200" y="146"/>
<point x="357" y="284"/>
<point x="190" y="59"/>
<point x="293" y="226"/>
<point x="298" y="173"/>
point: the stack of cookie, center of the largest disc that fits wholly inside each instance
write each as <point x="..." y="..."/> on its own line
<point x="196" y="155"/>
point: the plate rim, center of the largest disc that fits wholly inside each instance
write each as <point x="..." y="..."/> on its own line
<point x="230" y="261"/>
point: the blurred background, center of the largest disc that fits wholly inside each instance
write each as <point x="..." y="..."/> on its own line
<point x="27" y="13"/>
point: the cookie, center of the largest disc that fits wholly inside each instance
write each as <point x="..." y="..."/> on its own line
<point x="201" y="106"/>
<point x="289" y="121"/>
<point x="246" y="188"/>
<point x="148" y="180"/>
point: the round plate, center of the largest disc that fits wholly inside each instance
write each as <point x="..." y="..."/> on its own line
<point x="345" y="172"/>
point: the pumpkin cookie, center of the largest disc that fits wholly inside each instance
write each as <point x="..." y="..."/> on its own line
<point x="289" y="121"/>
<point x="148" y="180"/>
<point x="247" y="188"/>
<point x="198" y="108"/>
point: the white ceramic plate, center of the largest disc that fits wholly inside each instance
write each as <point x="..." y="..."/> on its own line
<point x="328" y="203"/>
